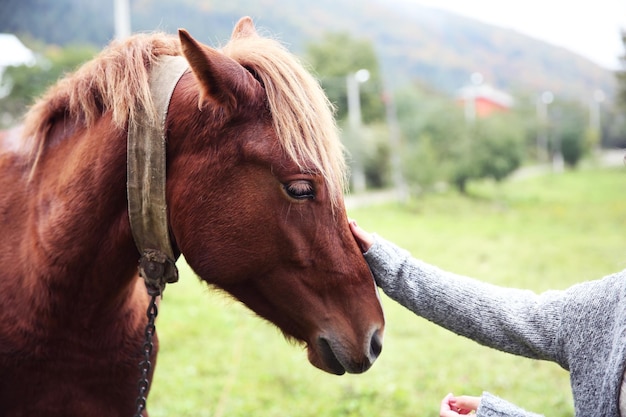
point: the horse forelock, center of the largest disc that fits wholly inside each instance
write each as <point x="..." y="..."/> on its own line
<point x="116" y="80"/>
<point x="303" y="116"/>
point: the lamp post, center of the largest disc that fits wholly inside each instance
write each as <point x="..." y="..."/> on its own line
<point x="472" y="94"/>
<point x="542" y="132"/>
<point x="594" y="117"/>
<point x="354" y="119"/>
<point x="394" y="145"/>
<point x="122" y="18"/>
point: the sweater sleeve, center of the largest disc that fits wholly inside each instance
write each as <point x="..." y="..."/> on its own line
<point x="492" y="406"/>
<point x="512" y="320"/>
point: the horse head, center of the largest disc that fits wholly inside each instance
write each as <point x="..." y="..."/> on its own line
<point x="254" y="190"/>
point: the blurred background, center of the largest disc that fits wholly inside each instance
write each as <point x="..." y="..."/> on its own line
<point x="485" y="136"/>
<point x="463" y="91"/>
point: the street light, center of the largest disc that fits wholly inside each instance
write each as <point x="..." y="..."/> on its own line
<point x="472" y="94"/>
<point x="594" y="117"/>
<point x="354" y="118"/>
<point x="121" y="10"/>
<point x="542" y="132"/>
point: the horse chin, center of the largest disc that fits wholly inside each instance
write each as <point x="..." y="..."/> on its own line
<point x="332" y="358"/>
<point x="322" y="357"/>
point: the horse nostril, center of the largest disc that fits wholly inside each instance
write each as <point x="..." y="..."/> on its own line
<point x="376" y="345"/>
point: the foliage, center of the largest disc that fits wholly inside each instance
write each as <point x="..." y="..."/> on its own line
<point x="334" y="57"/>
<point x="615" y="134"/>
<point x="569" y="132"/>
<point x="614" y="128"/>
<point x="421" y="167"/>
<point x="431" y="126"/>
<point x="498" y="146"/>
<point x="217" y="359"/>
<point x="444" y="147"/>
<point x="621" y="75"/>
<point x="377" y="157"/>
<point x="573" y="145"/>
<point x="27" y="83"/>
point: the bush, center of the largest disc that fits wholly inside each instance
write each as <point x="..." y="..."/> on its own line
<point x="499" y="147"/>
<point x="28" y="83"/>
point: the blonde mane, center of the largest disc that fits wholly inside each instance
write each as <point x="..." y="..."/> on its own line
<point x="302" y="114"/>
<point x="117" y="81"/>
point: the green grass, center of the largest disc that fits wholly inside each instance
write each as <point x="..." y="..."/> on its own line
<point x="218" y="359"/>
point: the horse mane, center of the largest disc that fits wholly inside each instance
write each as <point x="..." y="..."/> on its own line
<point x="117" y="81"/>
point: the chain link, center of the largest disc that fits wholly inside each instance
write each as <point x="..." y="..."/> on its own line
<point x="157" y="269"/>
<point x="145" y="366"/>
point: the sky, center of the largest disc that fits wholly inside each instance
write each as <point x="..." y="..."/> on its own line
<point x="590" y="28"/>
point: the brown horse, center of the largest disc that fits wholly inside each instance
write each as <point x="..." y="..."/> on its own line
<point x="254" y="187"/>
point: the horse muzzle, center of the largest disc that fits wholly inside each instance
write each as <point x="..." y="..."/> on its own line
<point x="336" y="356"/>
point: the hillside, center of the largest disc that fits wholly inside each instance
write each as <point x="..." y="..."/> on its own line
<point x="413" y="42"/>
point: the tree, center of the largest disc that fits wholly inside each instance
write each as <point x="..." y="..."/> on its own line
<point x="336" y="56"/>
<point x="621" y="75"/>
<point x="442" y="146"/>
<point x="499" y="146"/>
<point x="27" y="83"/>
<point x="432" y="128"/>
<point x="570" y="134"/>
<point x="616" y="134"/>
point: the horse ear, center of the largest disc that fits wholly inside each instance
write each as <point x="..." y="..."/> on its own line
<point x="244" y="29"/>
<point x="222" y="80"/>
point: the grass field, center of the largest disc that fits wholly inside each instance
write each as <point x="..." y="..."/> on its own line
<point x="218" y="359"/>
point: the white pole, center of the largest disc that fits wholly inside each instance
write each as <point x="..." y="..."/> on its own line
<point x="542" y="129"/>
<point x="394" y="144"/>
<point x="472" y="96"/>
<point x="354" y="119"/>
<point x="122" y="18"/>
<point x="594" y="117"/>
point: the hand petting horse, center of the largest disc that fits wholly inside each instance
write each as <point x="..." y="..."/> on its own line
<point x="252" y="197"/>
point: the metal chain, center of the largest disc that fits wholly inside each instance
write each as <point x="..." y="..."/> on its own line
<point x="157" y="269"/>
<point x="145" y="366"/>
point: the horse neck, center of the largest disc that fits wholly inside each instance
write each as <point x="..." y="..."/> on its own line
<point x="78" y="231"/>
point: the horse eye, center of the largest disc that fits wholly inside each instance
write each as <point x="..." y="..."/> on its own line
<point x="300" y="190"/>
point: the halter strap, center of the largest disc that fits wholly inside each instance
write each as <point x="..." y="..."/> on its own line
<point x="147" y="208"/>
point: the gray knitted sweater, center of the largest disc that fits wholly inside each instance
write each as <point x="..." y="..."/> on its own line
<point x="583" y="328"/>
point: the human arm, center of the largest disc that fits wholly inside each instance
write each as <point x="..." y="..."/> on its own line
<point x="451" y="406"/>
<point x="493" y="406"/>
<point x="512" y="320"/>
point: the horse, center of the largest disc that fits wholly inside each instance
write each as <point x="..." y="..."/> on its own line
<point x="254" y="183"/>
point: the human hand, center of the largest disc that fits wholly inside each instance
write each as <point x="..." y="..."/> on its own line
<point x="363" y="238"/>
<point x="452" y="406"/>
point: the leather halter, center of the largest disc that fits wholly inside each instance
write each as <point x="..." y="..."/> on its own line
<point x="146" y="176"/>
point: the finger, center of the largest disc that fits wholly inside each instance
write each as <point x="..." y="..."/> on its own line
<point x="445" y="410"/>
<point x="364" y="239"/>
<point x="465" y="403"/>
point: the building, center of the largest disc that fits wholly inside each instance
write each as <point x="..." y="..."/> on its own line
<point x="13" y="53"/>
<point x="483" y="100"/>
